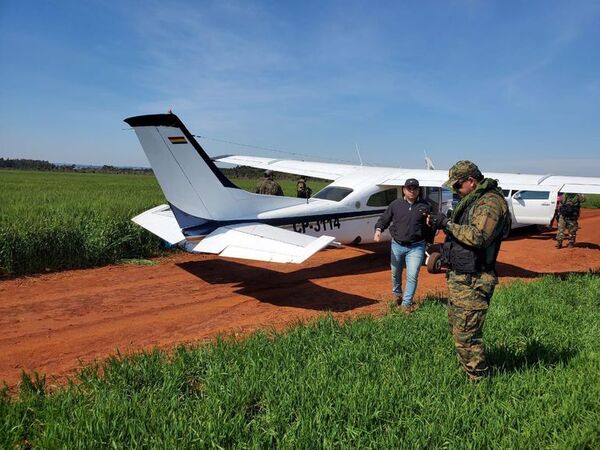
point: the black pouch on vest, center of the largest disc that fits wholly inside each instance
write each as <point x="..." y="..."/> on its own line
<point x="463" y="260"/>
<point x="567" y="210"/>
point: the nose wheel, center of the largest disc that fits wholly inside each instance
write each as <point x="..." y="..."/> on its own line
<point x="434" y="263"/>
<point x="433" y="259"/>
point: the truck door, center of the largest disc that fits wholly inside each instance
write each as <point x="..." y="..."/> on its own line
<point x="533" y="207"/>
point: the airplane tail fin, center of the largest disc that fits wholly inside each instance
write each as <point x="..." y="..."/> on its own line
<point x="200" y="196"/>
<point x="205" y="204"/>
<point x="188" y="177"/>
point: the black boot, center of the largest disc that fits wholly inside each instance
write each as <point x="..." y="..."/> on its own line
<point x="559" y="244"/>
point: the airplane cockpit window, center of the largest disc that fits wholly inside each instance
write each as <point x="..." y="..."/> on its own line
<point x="334" y="193"/>
<point x="534" y="195"/>
<point x="383" y="198"/>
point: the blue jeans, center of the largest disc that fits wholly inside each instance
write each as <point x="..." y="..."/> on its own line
<point x="411" y="257"/>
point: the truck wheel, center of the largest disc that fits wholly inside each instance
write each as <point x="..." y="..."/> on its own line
<point x="434" y="263"/>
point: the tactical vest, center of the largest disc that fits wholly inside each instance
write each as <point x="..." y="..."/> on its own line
<point x="570" y="206"/>
<point x="465" y="259"/>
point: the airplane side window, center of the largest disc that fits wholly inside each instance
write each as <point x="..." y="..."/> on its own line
<point x="334" y="193"/>
<point x="446" y="195"/>
<point x="383" y="198"/>
<point x="506" y="192"/>
<point x="534" y="195"/>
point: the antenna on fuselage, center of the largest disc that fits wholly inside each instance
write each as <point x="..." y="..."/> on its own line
<point x="358" y="152"/>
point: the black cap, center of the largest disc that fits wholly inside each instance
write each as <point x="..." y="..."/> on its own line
<point x="411" y="182"/>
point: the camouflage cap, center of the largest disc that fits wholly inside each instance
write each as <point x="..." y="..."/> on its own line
<point x="461" y="171"/>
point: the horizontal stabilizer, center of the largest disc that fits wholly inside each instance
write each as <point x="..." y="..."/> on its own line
<point x="260" y="242"/>
<point x="161" y="222"/>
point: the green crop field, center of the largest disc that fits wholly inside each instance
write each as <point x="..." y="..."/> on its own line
<point x="592" y="201"/>
<point x="55" y="220"/>
<point x="391" y="382"/>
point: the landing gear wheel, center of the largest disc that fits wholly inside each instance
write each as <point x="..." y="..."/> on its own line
<point x="434" y="263"/>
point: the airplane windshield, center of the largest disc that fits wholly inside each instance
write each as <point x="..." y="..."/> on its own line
<point x="334" y="193"/>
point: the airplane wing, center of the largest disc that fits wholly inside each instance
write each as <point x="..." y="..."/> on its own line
<point x="161" y="222"/>
<point x="581" y="189"/>
<point x="435" y="178"/>
<point x="326" y="171"/>
<point x="575" y="185"/>
<point x="429" y="178"/>
<point x="260" y="242"/>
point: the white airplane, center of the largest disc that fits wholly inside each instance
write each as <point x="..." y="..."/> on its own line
<point x="207" y="213"/>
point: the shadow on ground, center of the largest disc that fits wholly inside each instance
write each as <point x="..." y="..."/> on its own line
<point x="505" y="360"/>
<point x="587" y="245"/>
<point x="541" y="233"/>
<point x="296" y="288"/>
<point x="512" y="271"/>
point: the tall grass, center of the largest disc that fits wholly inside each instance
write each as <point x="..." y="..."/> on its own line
<point x="591" y="201"/>
<point x="53" y="221"/>
<point x="392" y="382"/>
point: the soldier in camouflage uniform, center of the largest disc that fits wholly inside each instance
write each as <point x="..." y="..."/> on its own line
<point x="568" y="214"/>
<point x="302" y="189"/>
<point x="268" y="185"/>
<point x="473" y="237"/>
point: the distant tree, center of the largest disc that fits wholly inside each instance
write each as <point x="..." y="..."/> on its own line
<point x="26" y="164"/>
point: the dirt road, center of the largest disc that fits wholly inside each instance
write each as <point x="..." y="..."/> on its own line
<point x="51" y="323"/>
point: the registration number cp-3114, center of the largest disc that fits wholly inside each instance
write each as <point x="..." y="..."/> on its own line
<point x="316" y="225"/>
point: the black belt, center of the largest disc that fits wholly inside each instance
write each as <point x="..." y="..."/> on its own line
<point x="408" y="242"/>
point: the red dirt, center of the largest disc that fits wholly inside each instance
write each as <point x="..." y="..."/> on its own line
<point x="51" y="323"/>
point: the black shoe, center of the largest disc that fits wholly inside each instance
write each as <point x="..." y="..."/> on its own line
<point x="571" y="244"/>
<point x="559" y="244"/>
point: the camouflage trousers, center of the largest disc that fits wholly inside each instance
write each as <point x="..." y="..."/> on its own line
<point x="569" y="223"/>
<point x="468" y="301"/>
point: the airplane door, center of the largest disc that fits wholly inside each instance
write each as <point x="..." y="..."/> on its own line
<point x="533" y="207"/>
<point x="433" y="196"/>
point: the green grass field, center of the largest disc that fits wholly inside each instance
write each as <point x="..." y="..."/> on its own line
<point x="592" y="201"/>
<point x="54" y="220"/>
<point x="391" y="382"/>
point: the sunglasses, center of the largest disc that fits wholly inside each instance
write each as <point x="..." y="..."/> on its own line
<point x="456" y="186"/>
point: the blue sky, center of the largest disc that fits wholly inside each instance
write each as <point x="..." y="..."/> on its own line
<point x="514" y="86"/>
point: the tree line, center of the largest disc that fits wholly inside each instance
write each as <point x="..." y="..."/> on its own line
<point x="37" y="164"/>
<point x="244" y="172"/>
